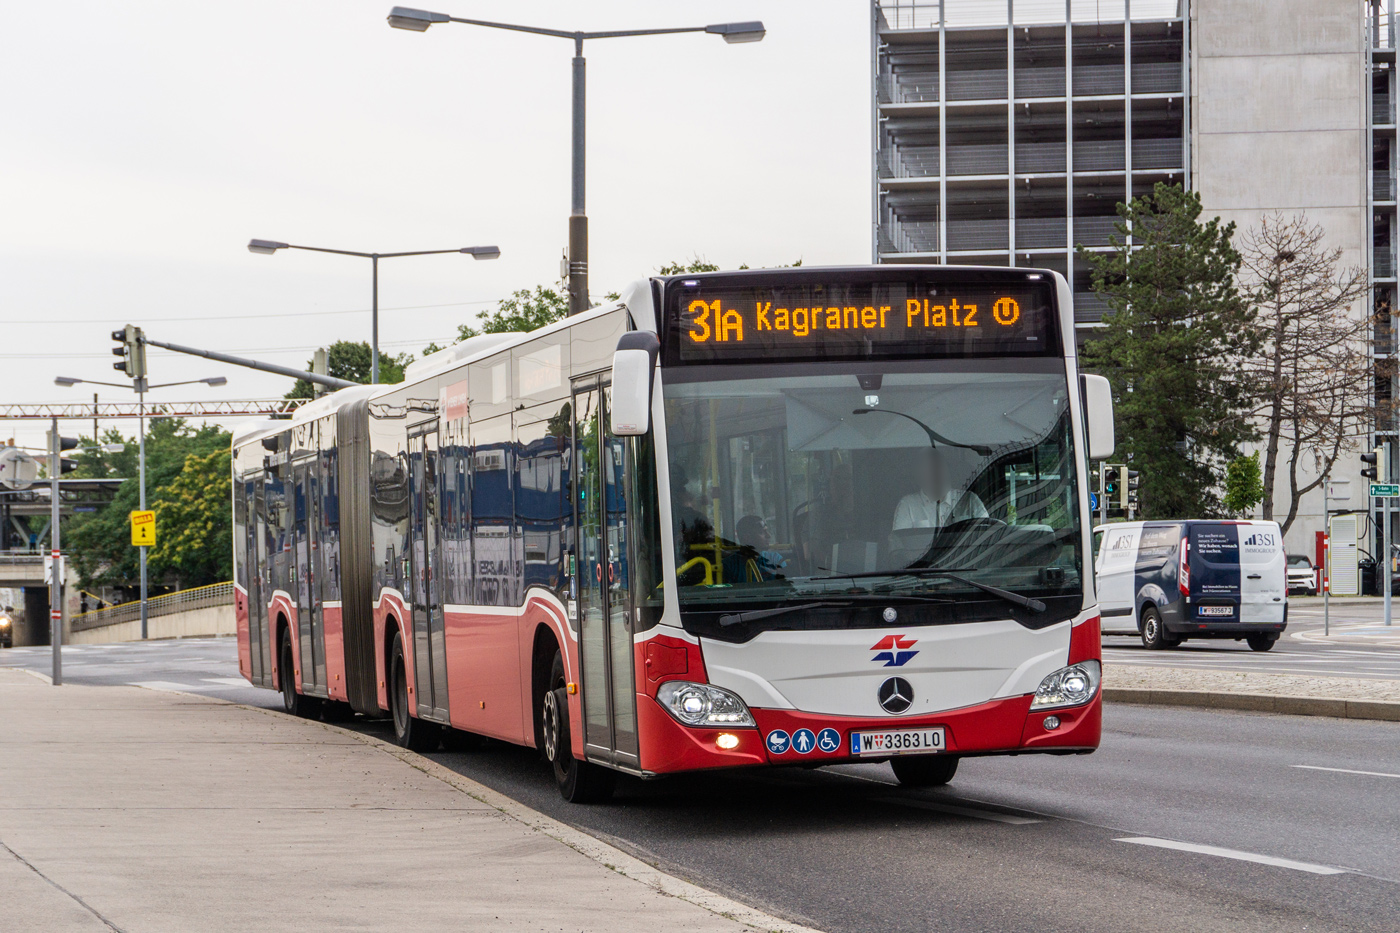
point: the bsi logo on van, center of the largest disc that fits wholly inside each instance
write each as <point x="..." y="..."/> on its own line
<point x="1261" y="539"/>
<point x="1124" y="543"/>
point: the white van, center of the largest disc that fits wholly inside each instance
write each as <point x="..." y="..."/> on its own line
<point x="1170" y="581"/>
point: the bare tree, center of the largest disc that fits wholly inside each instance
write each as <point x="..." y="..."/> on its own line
<point x="1312" y="377"/>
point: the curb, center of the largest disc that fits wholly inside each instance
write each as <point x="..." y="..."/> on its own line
<point x="1382" y="710"/>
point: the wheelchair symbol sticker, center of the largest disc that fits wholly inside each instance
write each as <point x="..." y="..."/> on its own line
<point x="828" y="740"/>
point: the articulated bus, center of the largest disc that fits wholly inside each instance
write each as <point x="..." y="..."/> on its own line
<point x="780" y="517"/>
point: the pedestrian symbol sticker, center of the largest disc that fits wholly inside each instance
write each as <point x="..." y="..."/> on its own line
<point x="778" y="741"/>
<point x="828" y="740"/>
<point x="803" y="741"/>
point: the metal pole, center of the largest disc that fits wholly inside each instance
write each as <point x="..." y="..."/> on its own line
<point x="141" y="485"/>
<point x="1385" y="534"/>
<point x="56" y="555"/>
<point x="1326" y="553"/>
<point x="95" y="439"/>
<point x="578" y="216"/>
<point x="374" y="326"/>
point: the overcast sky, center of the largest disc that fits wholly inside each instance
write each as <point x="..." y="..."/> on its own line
<point x="145" y="142"/>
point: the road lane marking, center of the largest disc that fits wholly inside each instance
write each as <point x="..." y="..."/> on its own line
<point x="1346" y="771"/>
<point x="957" y="811"/>
<point x="1234" y="854"/>
<point x="227" y="681"/>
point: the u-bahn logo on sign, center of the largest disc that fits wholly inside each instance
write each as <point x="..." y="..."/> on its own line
<point x="894" y="650"/>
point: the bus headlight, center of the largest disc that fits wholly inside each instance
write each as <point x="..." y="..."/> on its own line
<point x="1069" y="686"/>
<point x="703" y="704"/>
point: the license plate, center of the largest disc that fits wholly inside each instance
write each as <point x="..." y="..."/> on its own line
<point x="1215" y="610"/>
<point x="898" y="742"/>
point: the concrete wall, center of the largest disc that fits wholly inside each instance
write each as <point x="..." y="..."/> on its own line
<point x="211" y="620"/>
<point x="1279" y="98"/>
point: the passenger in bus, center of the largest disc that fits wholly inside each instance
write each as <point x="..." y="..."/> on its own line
<point x="934" y="504"/>
<point x="753" y="537"/>
<point x="695" y="535"/>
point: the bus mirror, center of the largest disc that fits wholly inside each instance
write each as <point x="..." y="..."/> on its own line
<point x="1098" y="415"/>
<point x="633" y="365"/>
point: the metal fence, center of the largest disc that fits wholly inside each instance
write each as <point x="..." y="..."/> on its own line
<point x="200" y="597"/>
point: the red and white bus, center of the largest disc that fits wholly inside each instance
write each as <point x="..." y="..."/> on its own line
<point x="796" y="516"/>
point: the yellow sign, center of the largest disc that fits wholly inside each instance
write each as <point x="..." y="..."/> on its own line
<point x="143" y="529"/>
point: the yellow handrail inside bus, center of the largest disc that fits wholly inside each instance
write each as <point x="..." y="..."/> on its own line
<point x="709" y="569"/>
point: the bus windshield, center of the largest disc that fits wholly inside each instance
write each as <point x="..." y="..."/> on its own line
<point x="846" y="483"/>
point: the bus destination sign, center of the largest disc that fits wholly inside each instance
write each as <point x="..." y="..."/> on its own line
<point x="723" y="322"/>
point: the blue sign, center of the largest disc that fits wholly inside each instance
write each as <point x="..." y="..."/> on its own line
<point x="778" y="741"/>
<point x="1093" y="502"/>
<point x="828" y="740"/>
<point x="803" y="741"/>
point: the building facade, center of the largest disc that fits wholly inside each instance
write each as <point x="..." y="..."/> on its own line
<point x="1005" y="132"/>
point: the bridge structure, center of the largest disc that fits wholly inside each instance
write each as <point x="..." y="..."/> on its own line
<point x="21" y="548"/>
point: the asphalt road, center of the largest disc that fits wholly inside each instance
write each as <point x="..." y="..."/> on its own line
<point x="1183" y="820"/>
<point x="1358" y="645"/>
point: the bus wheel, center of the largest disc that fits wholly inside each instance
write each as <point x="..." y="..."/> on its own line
<point x="298" y="704"/>
<point x="1154" y="633"/>
<point x="579" y="781"/>
<point x="1261" y="642"/>
<point x="410" y="733"/>
<point x="925" y="770"/>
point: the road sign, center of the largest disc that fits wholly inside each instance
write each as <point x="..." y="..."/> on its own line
<point x="1385" y="490"/>
<point x="1093" y="502"/>
<point x="143" y="529"/>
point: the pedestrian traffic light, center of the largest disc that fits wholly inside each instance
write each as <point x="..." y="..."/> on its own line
<point x="132" y="351"/>
<point x="1110" y="487"/>
<point x="1377" y="471"/>
<point x="1127" y="486"/>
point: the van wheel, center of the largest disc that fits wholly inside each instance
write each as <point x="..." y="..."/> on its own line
<point x="925" y="770"/>
<point x="409" y="732"/>
<point x="298" y="704"/>
<point x="1154" y="632"/>
<point x="578" y="781"/>
<point x="1262" y="642"/>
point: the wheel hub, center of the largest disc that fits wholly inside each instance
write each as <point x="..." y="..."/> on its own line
<point x="551" y="726"/>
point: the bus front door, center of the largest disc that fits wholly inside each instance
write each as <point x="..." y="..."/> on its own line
<point x="604" y="615"/>
<point x="255" y="558"/>
<point x="306" y="499"/>
<point x="429" y="639"/>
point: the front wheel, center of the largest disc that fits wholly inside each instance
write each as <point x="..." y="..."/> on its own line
<point x="925" y="770"/>
<point x="1154" y="632"/>
<point x="1261" y="642"/>
<point x="410" y="733"/>
<point x="578" y="781"/>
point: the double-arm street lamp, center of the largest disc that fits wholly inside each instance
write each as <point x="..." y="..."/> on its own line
<point x="419" y="21"/>
<point x="268" y="247"/>
<point x="141" y="388"/>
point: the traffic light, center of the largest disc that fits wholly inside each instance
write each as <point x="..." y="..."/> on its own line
<point x="1127" y="487"/>
<point x="64" y="443"/>
<point x="1110" y="487"/>
<point x="1377" y="471"/>
<point x="132" y="351"/>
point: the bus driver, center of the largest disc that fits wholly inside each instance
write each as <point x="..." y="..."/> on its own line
<point x="934" y="504"/>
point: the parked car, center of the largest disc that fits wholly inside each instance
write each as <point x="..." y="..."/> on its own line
<point x="1170" y="581"/>
<point x="1302" y="575"/>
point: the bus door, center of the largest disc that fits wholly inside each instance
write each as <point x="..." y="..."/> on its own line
<point x="429" y="640"/>
<point x="306" y="499"/>
<point x="255" y="557"/>
<point x="604" y="614"/>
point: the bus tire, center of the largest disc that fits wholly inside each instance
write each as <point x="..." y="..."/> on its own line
<point x="1154" y="632"/>
<point x="578" y="781"/>
<point x="297" y="704"/>
<point x="409" y="732"/>
<point x="925" y="770"/>
<point x="1261" y="642"/>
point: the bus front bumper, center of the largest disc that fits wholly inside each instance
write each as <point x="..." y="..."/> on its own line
<point x="998" y="727"/>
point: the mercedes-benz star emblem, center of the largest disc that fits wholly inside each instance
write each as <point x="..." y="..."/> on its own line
<point x="896" y="695"/>
<point x="890" y="614"/>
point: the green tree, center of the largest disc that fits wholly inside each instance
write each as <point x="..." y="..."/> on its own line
<point x="350" y="360"/>
<point x="194" y="522"/>
<point x="523" y="311"/>
<point x="1244" y="485"/>
<point x="698" y="264"/>
<point x="100" y="542"/>
<point x="1170" y="347"/>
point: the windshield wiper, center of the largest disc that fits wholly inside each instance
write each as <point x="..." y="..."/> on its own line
<point x="754" y="615"/>
<point x="1016" y="599"/>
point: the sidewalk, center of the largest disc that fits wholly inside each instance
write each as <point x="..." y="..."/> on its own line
<point x="1297" y="694"/>
<point x="144" y="812"/>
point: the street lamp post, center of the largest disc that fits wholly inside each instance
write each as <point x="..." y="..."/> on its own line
<point x="419" y="21"/>
<point x="141" y="389"/>
<point x="268" y="247"/>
